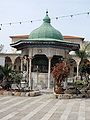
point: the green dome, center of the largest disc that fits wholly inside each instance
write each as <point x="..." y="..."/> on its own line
<point x="46" y="31"/>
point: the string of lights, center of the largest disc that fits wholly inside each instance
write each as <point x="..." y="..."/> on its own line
<point x="31" y="21"/>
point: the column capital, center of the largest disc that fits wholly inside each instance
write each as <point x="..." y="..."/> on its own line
<point x="29" y="57"/>
<point x="49" y="58"/>
<point x="77" y="59"/>
<point x="21" y="57"/>
<point x="13" y="61"/>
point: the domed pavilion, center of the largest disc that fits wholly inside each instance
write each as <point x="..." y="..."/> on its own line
<point x="44" y="48"/>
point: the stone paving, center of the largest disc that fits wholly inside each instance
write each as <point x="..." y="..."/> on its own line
<point x="43" y="107"/>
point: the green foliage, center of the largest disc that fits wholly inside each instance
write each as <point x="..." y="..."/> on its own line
<point x="84" y="68"/>
<point x="7" y="71"/>
<point x="80" y="84"/>
<point x="9" y="76"/>
<point x="81" y="54"/>
<point x="16" y="77"/>
<point x="1" y="73"/>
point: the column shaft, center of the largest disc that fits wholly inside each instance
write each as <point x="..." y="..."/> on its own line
<point x="21" y="64"/>
<point x="77" y="69"/>
<point x="30" y="59"/>
<point x="49" y="70"/>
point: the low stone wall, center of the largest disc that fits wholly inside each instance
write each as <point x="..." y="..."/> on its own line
<point x="71" y="96"/>
<point x="24" y="94"/>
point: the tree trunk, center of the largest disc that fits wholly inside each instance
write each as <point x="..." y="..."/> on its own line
<point x="58" y="88"/>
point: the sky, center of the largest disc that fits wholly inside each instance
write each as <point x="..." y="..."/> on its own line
<point x="12" y="11"/>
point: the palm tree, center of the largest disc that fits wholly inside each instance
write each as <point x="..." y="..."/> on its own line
<point x="16" y="78"/>
<point x="6" y="71"/>
<point x="83" y="55"/>
<point x="9" y="76"/>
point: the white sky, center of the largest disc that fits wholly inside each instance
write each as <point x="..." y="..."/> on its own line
<point x="23" y="10"/>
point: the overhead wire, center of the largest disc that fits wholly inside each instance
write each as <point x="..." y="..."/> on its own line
<point x="57" y="17"/>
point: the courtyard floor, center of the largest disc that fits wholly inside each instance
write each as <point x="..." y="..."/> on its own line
<point x="43" y="107"/>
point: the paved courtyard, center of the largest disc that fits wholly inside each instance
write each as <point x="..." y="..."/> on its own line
<point x="44" y="107"/>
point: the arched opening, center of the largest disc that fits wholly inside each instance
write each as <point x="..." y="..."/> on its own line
<point x="40" y="63"/>
<point x="25" y="62"/>
<point x="73" y="67"/>
<point x="56" y="59"/>
<point x="17" y="65"/>
<point x="8" y="61"/>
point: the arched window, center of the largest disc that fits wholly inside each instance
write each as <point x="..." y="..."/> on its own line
<point x="55" y="59"/>
<point x="8" y="61"/>
<point x="40" y="64"/>
<point x="17" y="64"/>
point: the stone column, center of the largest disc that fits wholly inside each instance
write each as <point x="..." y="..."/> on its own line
<point x="37" y="74"/>
<point x="27" y="68"/>
<point x="30" y="59"/>
<point x="49" y="70"/>
<point x="77" y="69"/>
<point x="77" y="59"/>
<point x="21" y="63"/>
<point x="12" y="65"/>
<point x="27" y="65"/>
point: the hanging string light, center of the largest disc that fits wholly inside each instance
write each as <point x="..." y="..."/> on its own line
<point x="71" y="15"/>
<point x="88" y="13"/>
<point x="58" y="17"/>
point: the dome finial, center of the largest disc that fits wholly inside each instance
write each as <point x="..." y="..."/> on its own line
<point x="46" y="18"/>
<point x="47" y="12"/>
